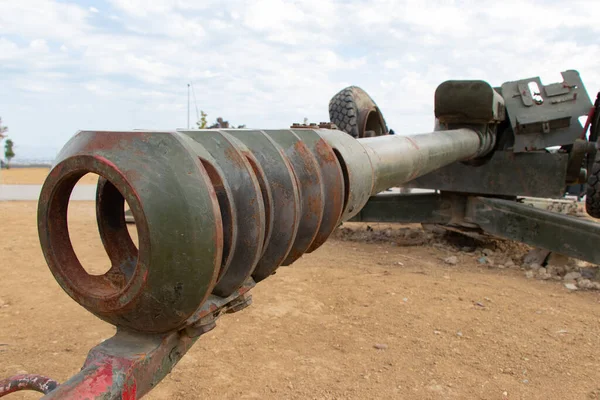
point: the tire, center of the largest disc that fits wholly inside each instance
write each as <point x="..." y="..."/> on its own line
<point x="353" y="111"/>
<point x="592" y="198"/>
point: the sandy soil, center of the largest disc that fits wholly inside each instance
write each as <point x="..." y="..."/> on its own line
<point x="34" y="176"/>
<point x="449" y="332"/>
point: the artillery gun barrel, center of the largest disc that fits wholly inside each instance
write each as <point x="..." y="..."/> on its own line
<point x="400" y="159"/>
<point x="216" y="211"/>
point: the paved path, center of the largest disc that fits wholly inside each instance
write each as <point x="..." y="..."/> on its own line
<point x="86" y="192"/>
<point x="32" y="192"/>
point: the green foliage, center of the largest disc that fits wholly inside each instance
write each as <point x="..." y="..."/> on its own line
<point x="3" y="130"/>
<point x="220" y="123"/>
<point x="203" y="122"/>
<point x="8" y="151"/>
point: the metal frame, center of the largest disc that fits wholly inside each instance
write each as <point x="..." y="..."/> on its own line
<point x="509" y="219"/>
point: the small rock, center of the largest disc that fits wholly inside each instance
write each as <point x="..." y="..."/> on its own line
<point x="488" y="252"/>
<point x="571" y="286"/>
<point x="436" y="332"/>
<point x="558" y="259"/>
<point x="543" y="274"/>
<point x="572" y="276"/>
<point x="459" y="334"/>
<point x="559" y="270"/>
<point x="584" y="284"/>
<point x="534" y="266"/>
<point x="405" y="299"/>
<point x="590" y="273"/>
<point x="525" y="381"/>
<point x="509" y="264"/>
<point x="477" y="303"/>
<point x="482" y="260"/>
<point x="529" y="274"/>
<point x="452" y="260"/>
<point x="490" y="262"/>
<point x="536" y="256"/>
<point x="380" y="346"/>
<point x="596" y="285"/>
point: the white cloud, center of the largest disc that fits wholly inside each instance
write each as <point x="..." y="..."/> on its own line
<point x="267" y="63"/>
<point x="392" y="64"/>
<point x="39" y="45"/>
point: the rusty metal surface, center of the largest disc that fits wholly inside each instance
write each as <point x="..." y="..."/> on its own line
<point x="216" y="211"/>
<point x="357" y="169"/>
<point x="310" y="182"/>
<point x="285" y="194"/>
<point x="126" y="366"/>
<point x="249" y="218"/>
<point x="332" y="182"/>
<point x="36" y="383"/>
<point x="177" y="217"/>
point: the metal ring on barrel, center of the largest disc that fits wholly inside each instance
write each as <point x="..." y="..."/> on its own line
<point x="177" y="218"/>
<point x="281" y="180"/>
<point x="333" y="184"/>
<point x="247" y="201"/>
<point x="310" y="180"/>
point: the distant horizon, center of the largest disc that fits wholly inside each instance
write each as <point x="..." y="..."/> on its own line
<point x="68" y="65"/>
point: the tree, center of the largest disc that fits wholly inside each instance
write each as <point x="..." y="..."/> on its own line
<point x="220" y="123"/>
<point x="8" y="152"/>
<point x="3" y="130"/>
<point x="202" y="123"/>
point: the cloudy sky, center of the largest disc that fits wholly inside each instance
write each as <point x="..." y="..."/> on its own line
<point x="125" y="64"/>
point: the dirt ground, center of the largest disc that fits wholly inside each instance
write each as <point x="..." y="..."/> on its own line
<point x="443" y="332"/>
<point x="34" y="176"/>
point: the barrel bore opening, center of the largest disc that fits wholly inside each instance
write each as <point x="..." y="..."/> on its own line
<point x="225" y="206"/>
<point x="346" y="178"/>
<point x="84" y="233"/>
<point x="120" y="240"/>
<point x="69" y="224"/>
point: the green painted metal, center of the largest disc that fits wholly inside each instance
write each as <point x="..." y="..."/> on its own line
<point x="429" y="208"/>
<point x="563" y="234"/>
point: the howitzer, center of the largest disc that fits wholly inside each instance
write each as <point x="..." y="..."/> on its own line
<point x="541" y="149"/>
<point x="217" y="212"/>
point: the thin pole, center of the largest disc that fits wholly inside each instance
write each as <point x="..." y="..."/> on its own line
<point x="188" y="125"/>
<point x="195" y="102"/>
